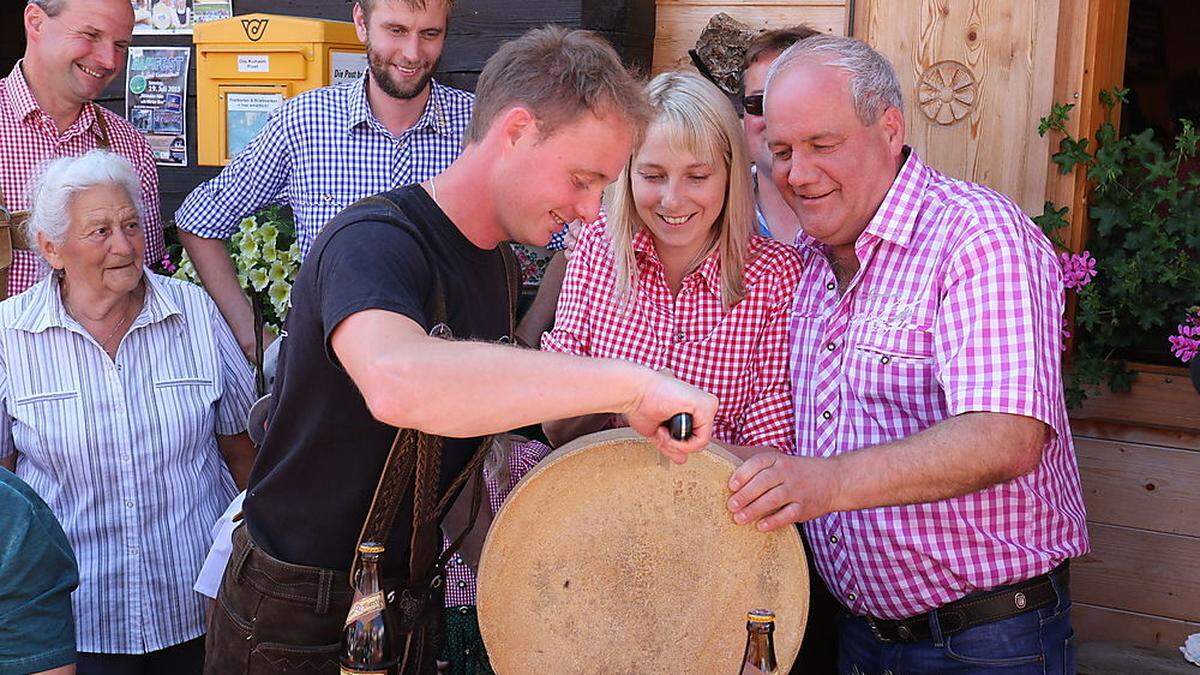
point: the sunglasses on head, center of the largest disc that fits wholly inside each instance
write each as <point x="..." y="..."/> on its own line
<point x="753" y="105"/>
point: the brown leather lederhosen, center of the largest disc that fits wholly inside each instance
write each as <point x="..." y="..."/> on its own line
<point x="12" y="223"/>
<point x="414" y="462"/>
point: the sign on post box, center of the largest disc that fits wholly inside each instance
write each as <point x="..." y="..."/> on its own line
<point x="248" y="65"/>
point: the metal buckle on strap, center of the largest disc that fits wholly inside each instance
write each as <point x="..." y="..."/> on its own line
<point x="875" y="630"/>
<point x="5" y="215"/>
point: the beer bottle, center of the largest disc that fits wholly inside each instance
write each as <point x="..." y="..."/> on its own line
<point x="759" y="656"/>
<point x="367" y="647"/>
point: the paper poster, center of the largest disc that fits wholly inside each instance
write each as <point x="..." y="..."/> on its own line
<point x="245" y="115"/>
<point x="173" y="17"/>
<point x="155" y="100"/>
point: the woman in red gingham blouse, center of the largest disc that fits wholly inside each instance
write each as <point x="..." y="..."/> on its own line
<point x="676" y="278"/>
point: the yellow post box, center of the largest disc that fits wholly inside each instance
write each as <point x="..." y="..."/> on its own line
<point x="246" y="66"/>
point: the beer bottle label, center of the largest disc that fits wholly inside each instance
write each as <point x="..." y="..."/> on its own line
<point x="364" y="606"/>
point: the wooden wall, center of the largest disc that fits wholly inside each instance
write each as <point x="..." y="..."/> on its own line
<point x="679" y="22"/>
<point x="477" y="28"/>
<point x="1139" y="458"/>
<point x="976" y="78"/>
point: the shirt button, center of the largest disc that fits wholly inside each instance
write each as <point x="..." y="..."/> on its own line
<point x="885" y="360"/>
<point x="462" y="584"/>
<point x="463" y="610"/>
<point x="827" y="414"/>
<point x="852" y="597"/>
<point x="679" y="337"/>
<point x="833" y="539"/>
<point x="831" y="346"/>
<point x="129" y="503"/>
<point x="831" y="285"/>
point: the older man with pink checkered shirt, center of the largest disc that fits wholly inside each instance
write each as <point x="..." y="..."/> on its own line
<point x="935" y="474"/>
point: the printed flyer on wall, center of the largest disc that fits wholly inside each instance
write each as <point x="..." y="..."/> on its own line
<point x="172" y="17"/>
<point x="155" y="100"/>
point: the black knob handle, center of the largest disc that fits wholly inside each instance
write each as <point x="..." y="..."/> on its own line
<point x="680" y="426"/>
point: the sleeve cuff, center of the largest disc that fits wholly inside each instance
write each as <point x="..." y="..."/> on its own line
<point x="1012" y="402"/>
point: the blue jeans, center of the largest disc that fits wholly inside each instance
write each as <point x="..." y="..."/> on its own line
<point x="1038" y="641"/>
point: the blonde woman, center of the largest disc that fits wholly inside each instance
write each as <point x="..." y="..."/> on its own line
<point x="676" y="278"/>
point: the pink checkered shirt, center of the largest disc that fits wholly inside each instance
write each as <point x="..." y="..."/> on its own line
<point x="956" y="308"/>
<point x="522" y="457"/>
<point x="738" y="355"/>
<point x="29" y="137"/>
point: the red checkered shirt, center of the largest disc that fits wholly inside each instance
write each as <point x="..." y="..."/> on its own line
<point x="29" y="137"/>
<point x="522" y="457"/>
<point x="957" y="308"/>
<point x="738" y="355"/>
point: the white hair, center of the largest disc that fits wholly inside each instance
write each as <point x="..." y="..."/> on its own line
<point x="873" y="84"/>
<point x="60" y="179"/>
<point x="50" y="7"/>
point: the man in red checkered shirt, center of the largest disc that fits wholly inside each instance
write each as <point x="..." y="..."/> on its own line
<point x="73" y="51"/>
<point x="934" y="470"/>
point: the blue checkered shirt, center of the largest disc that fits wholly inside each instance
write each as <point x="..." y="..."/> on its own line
<point x="322" y="151"/>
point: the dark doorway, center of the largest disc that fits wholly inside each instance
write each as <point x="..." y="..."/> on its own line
<point x="1162" y="66"/>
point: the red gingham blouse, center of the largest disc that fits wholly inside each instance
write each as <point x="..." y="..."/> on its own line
<point x="739" y="355"/>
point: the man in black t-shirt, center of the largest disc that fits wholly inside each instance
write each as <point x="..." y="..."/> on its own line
<point x="555" y="120"/>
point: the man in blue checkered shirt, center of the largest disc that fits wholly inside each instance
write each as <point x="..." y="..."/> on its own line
<point x="330" y="147"/>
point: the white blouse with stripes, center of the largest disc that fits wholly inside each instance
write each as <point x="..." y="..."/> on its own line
<point x="125" y="451"/>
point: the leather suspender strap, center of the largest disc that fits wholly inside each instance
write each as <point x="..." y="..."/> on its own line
<point x="414" y="460"/>
<point x="105" y="142"/>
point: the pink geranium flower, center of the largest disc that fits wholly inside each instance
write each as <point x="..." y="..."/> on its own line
<point x="1186" y="343"/>
<point x="1078" y="269"/>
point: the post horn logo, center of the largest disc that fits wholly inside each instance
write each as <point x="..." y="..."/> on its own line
<point x="255" y="28"/>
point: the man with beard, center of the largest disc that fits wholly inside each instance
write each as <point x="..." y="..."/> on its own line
<point x="73" y="50"/>
<point x="327" y="148"/>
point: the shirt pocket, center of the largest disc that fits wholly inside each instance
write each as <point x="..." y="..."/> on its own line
<point x="892" y="377"/>
<point x="184" y="408"/>
<point x="318" y="207"/>
<point x="49" y="424"/>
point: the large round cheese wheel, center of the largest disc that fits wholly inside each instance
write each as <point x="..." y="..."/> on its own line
<point x="607" y="558"/>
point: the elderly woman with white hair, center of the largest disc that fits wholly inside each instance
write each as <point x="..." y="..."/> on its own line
<point x="123" y="400"/>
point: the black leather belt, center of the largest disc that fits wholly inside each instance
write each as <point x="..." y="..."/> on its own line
<point x="975" y="609"/>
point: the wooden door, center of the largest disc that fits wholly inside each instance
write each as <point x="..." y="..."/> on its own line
<point x="976" y="77"/>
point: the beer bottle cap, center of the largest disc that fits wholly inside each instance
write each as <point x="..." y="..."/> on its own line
<point x="760" y="616"/>
<point x="370" y="547"/>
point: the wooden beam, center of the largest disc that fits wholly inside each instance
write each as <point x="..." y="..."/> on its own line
<point x="1090" y="58"/>
<point x="679" y="22"/>
<point x="1161" y="396"/>
<point x="1093" y="623"/>
<point x="1140" y="486"/>
<point x="1140" y="571"/>
<point x="1182" y="439"/>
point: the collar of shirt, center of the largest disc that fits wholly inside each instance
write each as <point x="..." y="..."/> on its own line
<point x="647" y="257"/>
<point x="26" y="109"/>
<point x="434" y="115"/>
<point x="48" y="311"/>
<point x="896" y="218"/>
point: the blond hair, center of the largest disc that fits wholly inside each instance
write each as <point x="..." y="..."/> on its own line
<point x="700" y="120"/>
<point x="558" y="74"/>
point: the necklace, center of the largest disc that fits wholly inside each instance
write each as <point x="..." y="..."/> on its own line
<point x="120" y="324"/>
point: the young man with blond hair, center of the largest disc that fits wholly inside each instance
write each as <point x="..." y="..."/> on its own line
<point x="556" y="118"/>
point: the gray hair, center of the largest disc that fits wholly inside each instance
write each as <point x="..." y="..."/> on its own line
<point x="60" y="179"/>
<point x="50" y="7"/>
<point x="873" y="84"/>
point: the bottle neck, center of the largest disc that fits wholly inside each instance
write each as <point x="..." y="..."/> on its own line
<point x="368" y="574"/>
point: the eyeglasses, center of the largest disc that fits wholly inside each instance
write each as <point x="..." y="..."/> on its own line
<point x="753" y="105"/>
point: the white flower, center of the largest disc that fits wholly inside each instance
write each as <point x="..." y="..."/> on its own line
<point x="247" y="225"/>
<point x="258" y="279"/>
<point x="1191" y="648"/>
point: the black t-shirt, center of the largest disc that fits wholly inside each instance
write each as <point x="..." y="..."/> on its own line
<point x="323" y="453"/>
